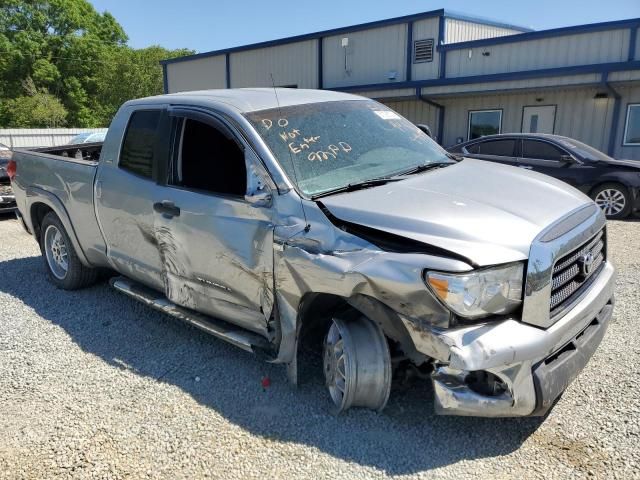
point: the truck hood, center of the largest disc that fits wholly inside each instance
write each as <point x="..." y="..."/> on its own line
<point x="485" y="212"/>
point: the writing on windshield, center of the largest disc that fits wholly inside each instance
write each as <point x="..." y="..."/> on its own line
<point x="303" y="144"/>
<point x="324" y="146"/>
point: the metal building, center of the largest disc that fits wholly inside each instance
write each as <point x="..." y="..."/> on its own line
<point x="463" y="76"/>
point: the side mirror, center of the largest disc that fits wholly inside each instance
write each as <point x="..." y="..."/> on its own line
<point x="568" y="159"/>
<point x="258" y="187"/>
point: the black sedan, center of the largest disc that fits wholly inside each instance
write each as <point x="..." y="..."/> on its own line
<point x="613" y="184"/>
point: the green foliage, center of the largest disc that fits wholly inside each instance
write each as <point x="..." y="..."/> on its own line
<point x="74" y="55"/>
<point x="37" y="108"/>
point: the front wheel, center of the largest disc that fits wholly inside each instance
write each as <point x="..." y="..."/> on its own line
<point x="613" y="199"/>
<point x="357" y="364"/>
<point x="65" y="269"/>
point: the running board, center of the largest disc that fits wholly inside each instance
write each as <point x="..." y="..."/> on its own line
<point x="248" y="341"/>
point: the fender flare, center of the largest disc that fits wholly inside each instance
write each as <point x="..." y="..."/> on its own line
<point x="39" y="195"/>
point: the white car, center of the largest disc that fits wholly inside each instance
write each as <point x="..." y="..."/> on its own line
<point x="88" y="137"/>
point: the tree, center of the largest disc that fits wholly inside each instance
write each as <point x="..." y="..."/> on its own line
<point x="73" y="53"/>
<point x="37" y="108"/>
<point x="129" y="74"/>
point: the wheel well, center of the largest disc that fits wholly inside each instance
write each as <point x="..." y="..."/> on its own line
<point x="38" y="212"/>
<point x="315" y="312"/>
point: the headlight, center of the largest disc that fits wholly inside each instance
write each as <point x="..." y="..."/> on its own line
<point x="493" y="291"/>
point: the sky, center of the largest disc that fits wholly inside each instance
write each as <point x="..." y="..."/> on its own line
<point x="204" y="25"/>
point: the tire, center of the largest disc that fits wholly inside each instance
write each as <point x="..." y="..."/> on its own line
<point x="614" y="199"/>
<point x="64" y="268"/>
<point x="357" y="364"/>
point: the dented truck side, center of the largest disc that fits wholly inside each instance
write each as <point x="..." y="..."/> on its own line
<point x="494" y="282"/>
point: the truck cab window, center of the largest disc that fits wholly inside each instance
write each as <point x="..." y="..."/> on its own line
<point x="139" y="142"/>
<point x="207" y="159"/>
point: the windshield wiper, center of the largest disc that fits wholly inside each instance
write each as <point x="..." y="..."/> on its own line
<point x="351" y="187"/>
<point x="420" y="169"/>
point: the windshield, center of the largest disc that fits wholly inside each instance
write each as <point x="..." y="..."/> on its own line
<point x="583" y="150"/>
<point x="327" y="146"/>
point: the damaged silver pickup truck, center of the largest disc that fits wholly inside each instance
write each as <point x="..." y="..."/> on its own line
<point x="277" y="218"/>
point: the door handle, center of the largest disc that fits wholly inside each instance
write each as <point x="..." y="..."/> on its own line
<point x="167" y="208"/>
<point x="525" y="167"/>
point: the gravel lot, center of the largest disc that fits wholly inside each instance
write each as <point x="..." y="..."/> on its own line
<point x="93" y="384"/>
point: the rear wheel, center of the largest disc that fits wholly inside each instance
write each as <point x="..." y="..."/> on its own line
<point x="64" y="268"/>
<point x="613" y="199"/>
<point x="357" y="364"/>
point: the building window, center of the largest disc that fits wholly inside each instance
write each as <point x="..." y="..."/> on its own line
<point x="423" y="51"/>
<point x="632" y="125"/>
<point x="139" y="143"/>
<point x="484" y="122"/>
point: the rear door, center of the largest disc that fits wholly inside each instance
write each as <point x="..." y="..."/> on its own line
<point x="502" y="150"/>
<point x="545" y="157"/>
<point x="216" y="248"/>
<point x="124" y="193"/>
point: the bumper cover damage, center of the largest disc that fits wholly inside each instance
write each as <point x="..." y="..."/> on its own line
<point x="534" y="365"/>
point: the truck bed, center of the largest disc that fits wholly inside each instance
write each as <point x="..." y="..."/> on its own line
<point x="83" y="151"/>
<point x="63" y="178"/>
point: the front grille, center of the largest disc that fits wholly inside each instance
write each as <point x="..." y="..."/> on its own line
<point x="573" y="272"/>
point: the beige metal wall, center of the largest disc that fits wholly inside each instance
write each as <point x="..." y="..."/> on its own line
<point x="462" y="31"/>
<point x="199" y="74"/>
<point x="425" y="29"/>
<point x="529" y="83"/>
<point x="290" y="64"/>
<point x="630" y="94"/>
<point x="578" y="114"/>
<point x="563" y="51"/>
<point x="370" y="56"/>
<point x="416" y="111"/>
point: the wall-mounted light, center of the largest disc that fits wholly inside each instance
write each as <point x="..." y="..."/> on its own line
<point x="601" y="96"/>
<point x="539" y="99"/>
<point x="486" y="54"/>
<point x="392" y="74"/>
<point x="345" y="46"/>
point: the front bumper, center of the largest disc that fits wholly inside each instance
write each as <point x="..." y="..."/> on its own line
<point x="7" y="199"/>
<point x="7" y="204"/>
<point x="535" y="365"/>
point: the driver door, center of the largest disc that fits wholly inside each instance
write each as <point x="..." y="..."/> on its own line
<point x="216" y="246"/>
<point x="547" y="158"/>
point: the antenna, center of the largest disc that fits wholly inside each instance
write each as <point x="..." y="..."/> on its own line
<point x="307" y="227"/>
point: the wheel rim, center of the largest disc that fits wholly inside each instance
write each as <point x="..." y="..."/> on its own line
<point x="336" y="365"/>
<point x="56" y="252"/>
<point x="611" y="201"/>
<point x="357" y="364"/>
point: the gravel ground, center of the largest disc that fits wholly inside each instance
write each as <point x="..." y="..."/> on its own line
<point x="93" y="384"/>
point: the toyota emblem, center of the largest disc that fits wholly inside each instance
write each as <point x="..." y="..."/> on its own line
<point x="585" y="262"/>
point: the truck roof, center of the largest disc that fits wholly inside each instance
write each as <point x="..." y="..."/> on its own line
<point x="254" y="99"/>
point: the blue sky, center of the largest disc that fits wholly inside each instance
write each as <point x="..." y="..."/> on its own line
<point x="204" y="25"/>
